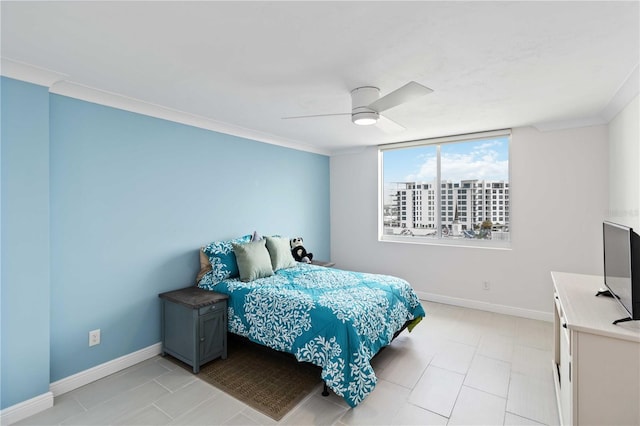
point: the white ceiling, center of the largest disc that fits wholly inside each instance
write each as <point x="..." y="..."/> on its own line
<point x="491" y="65"/>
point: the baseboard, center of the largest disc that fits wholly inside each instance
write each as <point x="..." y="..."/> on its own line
<point x="103" y="370"/>
<point x="25" y="409"/>
<point x="32" y="406"/>
<point x="485" y="306"/>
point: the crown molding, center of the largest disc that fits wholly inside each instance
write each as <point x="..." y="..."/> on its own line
<point x="549" y="126"/>
<point x="60" y="84"/>
<point x="114" y="100"/>
<point x="28" y="73"/>
<point x="627" y="91"/>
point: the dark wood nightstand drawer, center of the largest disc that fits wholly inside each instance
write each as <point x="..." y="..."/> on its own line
<point x="220" y="306"/>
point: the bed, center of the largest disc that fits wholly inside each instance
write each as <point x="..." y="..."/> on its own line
<point x="332" y="318"/>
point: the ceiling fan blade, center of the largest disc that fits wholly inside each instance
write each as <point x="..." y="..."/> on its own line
<point x="387" y="125"/>
<point x="406" y="93"/>
<point x="316" y="115"/>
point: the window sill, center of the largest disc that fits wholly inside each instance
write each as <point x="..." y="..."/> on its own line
<point x="462" y="242"/>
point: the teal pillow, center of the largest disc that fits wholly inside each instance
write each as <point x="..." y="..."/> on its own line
<point x="253" y="260"/>
<point x="280" y="253"/>
<point x="222" y="258"/>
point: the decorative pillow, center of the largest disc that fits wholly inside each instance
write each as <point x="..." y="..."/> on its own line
<point x="205" y="265"/>
<point x="223" y="259"/>
<point x="256" y="236"/>
<point x="280" y="253"/>
<point x="253" y="260"/>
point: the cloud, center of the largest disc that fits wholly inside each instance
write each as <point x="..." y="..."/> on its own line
<point x="482" y="161"/>
<point x="427" y="171"/>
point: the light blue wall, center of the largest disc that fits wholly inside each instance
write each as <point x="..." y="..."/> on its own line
<point x="133" y="197"/>
<point x="131" y="200"/>
<point x="25" y="289"/>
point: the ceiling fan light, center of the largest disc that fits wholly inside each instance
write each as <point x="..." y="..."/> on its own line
<point x="365" y="118"/>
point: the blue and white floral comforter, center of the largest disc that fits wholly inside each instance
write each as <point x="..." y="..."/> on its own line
<point x="335" y="319"/>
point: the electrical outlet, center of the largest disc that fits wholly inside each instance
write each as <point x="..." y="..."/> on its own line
<point x="94" y="337"/>
<point x="486" y="285"/>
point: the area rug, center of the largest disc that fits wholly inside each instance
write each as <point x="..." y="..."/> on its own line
<point x="269" y="381"/>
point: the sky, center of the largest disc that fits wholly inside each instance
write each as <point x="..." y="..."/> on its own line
<point x="478" y="159"/>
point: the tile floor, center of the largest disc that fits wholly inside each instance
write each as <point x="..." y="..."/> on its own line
<point x="458" y="367"/>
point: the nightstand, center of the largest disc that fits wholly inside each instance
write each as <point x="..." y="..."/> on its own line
<point x="194" y="325"/>
<point x="323" y="263"/>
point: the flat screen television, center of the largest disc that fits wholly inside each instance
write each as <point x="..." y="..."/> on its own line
<point x="622" y="267"/>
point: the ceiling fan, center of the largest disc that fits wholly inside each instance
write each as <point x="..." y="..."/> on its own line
<point x="367" y="105"/>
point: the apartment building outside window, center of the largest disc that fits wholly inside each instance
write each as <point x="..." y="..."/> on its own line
<point x="457" y="187"/>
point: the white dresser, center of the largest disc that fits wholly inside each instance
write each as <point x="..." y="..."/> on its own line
<point x="596" y="364"/>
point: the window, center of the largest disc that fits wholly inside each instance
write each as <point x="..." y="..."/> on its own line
<point x="456" y="179"/>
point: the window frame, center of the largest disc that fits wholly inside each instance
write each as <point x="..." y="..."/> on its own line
<point x="439" y="193"/>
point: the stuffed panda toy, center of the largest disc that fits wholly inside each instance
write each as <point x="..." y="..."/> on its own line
<point x="299" y="252"/>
